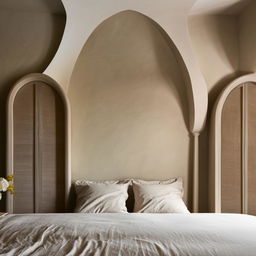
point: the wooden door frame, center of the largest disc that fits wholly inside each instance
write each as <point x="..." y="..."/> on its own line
<point x="37" y="77"/>
<point x="215" y="142"/>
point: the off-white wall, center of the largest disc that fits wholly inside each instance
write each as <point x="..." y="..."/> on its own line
<point x="128" y="102"/>
<point x="247" y="38"/>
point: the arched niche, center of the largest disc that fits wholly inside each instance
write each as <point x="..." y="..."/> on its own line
<point x="129" y="104"/>
<point x="233" y="136"/>
<point x="38" y="142"/>
<point x="81" y="24"/>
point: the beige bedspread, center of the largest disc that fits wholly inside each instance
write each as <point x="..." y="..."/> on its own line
<point x="128" y="234"/>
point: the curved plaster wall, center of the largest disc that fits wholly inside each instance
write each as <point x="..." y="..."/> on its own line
<point x="83" y="16"/>
<point x="129" y="104"/>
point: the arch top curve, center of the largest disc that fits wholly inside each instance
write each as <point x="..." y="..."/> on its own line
<point x="175" y="27"/>
<point x="160" y="51"/>
<point x="230" y="87"/>
<point x="33" y="77"/>
<point x="30" y="78"/>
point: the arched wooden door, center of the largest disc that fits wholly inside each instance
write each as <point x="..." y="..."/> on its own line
<point x="234" y="147"/>
<point x="38" y="146"/>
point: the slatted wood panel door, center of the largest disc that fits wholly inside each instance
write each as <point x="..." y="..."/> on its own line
<point x="38" y="149"/>
<point x="231" y="148"/>
<point x="238" y="151"/>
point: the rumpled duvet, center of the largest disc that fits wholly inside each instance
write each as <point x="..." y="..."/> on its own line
<point x="128" y="234"/>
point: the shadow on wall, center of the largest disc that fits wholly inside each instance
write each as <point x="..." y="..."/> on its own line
<point x="129" y="104"/>
<point x="30" y="38"/>
<point x="177" y="69"/>
<point x="247" y="38"/>
<point x="216" y="45"/>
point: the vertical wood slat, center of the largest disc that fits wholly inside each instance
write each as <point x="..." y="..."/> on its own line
<point x="244" y="194"/>
<point x="51" y="140"/>
<point x="251" y="148"/>
<point x="23" y="150"/>
<point x="231" y="153"/>
<point x="37" y="150"/>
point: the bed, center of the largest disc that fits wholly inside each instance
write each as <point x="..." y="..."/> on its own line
<point x="128" y="234"/>
<point x="43" y="185"/>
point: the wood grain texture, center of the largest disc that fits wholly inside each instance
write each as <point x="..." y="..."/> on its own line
<point x="231" y="156"/>
<point x="39" y="149"/>
<point x="251" y="149"/>
<point x="222" y="140"/>
<point x="51" y="149"/>
<point x="23" y="116"/>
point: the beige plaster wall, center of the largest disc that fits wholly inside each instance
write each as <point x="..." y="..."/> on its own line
<point x="216" y="47"/>
<point x="128" y="104"/>
<point x="247" y="38"/>
<point x="83" y="16"/>
<point x="215" y="42"/>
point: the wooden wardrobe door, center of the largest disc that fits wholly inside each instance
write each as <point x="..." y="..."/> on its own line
<point x="39" y="150"/>
<point x="231" y="151"/>
<point x="251" y="149"/>
<point x="50" y="150"/>
<point x="23" y="155"/>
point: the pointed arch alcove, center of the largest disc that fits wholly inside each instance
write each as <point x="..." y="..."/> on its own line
<point x="233" y="139"/>
<point x="38" y="142"/>
<point x="130" y="105"/>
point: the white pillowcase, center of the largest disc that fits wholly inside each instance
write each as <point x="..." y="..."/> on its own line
<point x="159" y="198"/>
<point x="101" y="197"/>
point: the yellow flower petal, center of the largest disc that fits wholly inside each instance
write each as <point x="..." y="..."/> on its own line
<point x="10" y="177"/>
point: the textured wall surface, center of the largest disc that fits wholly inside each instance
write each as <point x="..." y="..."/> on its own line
<point x="84" y="17"/>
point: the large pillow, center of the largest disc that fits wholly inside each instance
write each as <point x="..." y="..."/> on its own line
<point x="101" y="197"/>
<point x="159" y="198"/>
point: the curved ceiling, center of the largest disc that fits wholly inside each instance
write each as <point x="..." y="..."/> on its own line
<point x="83" y="16"/>
<point x="218" y="6"/>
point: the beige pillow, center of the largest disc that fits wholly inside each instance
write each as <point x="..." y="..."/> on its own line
<point x="159" y="198"/>
<point x="101" y="197"/>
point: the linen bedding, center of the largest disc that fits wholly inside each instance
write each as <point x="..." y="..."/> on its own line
<point x="128" y="234"/>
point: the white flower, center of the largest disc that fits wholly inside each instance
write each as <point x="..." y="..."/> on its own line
<point x="4" y="184"/>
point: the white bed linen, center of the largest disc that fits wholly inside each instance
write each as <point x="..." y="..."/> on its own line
<point x="128" y="234"/>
